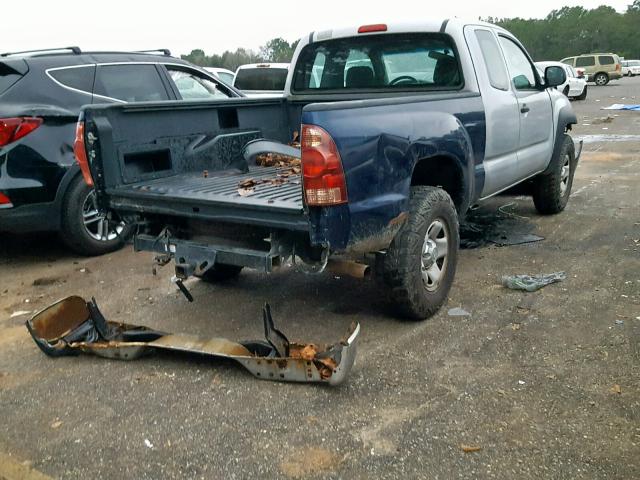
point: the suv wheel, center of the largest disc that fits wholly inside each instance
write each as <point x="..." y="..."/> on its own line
<point x="601" y="79"/>
<point x="420" y="264"/>
<point x="551" y="192"/>
<point x="85" y="229"/>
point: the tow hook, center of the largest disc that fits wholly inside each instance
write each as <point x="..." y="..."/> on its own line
<point x="73" y="325"/>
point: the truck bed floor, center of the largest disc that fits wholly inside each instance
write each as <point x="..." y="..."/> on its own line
<point x="222" y="189"/>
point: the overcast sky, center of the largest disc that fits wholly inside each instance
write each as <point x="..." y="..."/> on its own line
<point x="215" y="26"/>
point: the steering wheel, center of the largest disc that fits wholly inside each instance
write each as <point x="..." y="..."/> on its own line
<point x="403" y="78"/>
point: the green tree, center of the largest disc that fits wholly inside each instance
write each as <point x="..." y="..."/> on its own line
<point x="278" y="50"/>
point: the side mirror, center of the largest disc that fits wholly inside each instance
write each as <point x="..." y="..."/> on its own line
<point x="554" y="76"/>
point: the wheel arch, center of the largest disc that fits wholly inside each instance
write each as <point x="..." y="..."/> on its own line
<point x="69" y="176"/>
<point x="566" y="119"/>
<point x="446" y="172"/>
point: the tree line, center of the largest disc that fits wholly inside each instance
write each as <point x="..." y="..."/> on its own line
<point x="565" y="32"/>
<point x="276" y="50"/>
<point x="573" y="31"/>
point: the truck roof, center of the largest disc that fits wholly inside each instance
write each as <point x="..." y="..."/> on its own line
<point x="428" y="25"/>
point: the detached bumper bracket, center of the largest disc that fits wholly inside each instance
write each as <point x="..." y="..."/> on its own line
<point x="72" y="326"/>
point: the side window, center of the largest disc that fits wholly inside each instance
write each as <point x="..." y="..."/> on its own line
<point x="572" y="72"/>
<point x="195" y="87"/>
<point x="606" y="60"/>
<point x="585" y="61"/>
<point x="130" y="83"/>
<point x="568" y="61"/>
<point x="80" y="78"/>
<point x="493" y="60"/>
<point x="521" y="70"/>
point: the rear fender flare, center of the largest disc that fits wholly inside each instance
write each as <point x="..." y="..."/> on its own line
<point x="455" y="148"/>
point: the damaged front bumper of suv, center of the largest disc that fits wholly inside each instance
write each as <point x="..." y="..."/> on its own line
<point x="73" y="325"/>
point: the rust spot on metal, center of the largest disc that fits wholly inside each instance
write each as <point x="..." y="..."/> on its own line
<point x="399" y="220"/>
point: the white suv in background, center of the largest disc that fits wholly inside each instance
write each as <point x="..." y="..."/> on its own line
<point x="630" y="68"/>
<point x="575" y="87"/>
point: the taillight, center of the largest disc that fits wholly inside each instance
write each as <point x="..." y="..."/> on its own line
<point x="81" y="154"/>
<point x="5" y="202"/>
<point x="12" y="129"/>
<point x="322" y="174"/>
<point x="378" y="27"/>
<point x="618" y="66"/>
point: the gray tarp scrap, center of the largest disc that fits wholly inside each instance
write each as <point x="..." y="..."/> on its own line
<point x="73" y="326"/>
<point x="531" y="283"/>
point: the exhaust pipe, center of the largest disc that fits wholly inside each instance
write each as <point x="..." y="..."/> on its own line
<point x="349" y="268"/>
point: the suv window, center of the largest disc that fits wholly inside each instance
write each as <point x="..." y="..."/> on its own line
<point x="195" y="87"/>
<point x="374" y="62"/>
<point x="80" y="78"/>
<point x="585" y="61"/>
<point x="130" y="83"/>
<point x="520" y="68"/>
<point x="498" y="77"/>
<point x="568" y="61"/>
<point x="606" y="60"/>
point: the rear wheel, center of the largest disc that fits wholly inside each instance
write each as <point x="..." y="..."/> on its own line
<point x="220" y="272"/>
<point x="601" y="79"/>
<point x="551" y="192"/>
<point x="87" y="230"/>
<point x="583" y="95"/>
<point x="420" y="264"/>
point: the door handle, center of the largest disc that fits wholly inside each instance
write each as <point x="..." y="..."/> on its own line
<point x="524" y="109"/>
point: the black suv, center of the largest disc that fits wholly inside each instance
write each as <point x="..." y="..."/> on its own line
<point x="41" y="93"/>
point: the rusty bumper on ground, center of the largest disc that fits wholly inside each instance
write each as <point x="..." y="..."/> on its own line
<point x="73" y="325"/>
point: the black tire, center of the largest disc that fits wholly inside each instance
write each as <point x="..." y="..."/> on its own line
<point x="565" y="92"/>
<point x="78" y="236"/>
<point x="551" y="191"/>
<point x="403" y="265"/>
<point x="601" y="79"/>
<point x="583" y="95"/>
<point x="220" y="272"/>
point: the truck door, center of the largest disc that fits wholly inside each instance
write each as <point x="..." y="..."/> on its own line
<point x="502" y="114"/>
<point x="536" y="125"/>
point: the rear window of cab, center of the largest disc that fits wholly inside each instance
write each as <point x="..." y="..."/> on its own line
<point x="387" y="62"/>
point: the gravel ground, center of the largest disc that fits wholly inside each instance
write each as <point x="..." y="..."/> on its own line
<point x="546" y="384"/>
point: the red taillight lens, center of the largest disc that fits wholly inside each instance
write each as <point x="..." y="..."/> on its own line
<point x="5" y="202"/>
<point x="378" y="27"/>
<point x="81" y="154"/>
<point x="322" y="174"/>
<point x="618" y="67"/>
<point x="12" y="129"/>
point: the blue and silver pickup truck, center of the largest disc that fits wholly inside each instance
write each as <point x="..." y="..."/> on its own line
<point x="401" y="128"/>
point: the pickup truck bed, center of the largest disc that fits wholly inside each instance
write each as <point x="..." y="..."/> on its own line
<point x="277" y="192"/>
<point x="223" y="189"/>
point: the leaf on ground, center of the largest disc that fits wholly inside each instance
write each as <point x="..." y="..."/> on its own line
<point x="470" y="448"/>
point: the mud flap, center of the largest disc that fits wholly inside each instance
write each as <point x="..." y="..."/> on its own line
<point x="73" y="325"/>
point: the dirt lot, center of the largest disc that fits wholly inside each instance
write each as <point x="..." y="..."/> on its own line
<point x="528" y="377"/>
